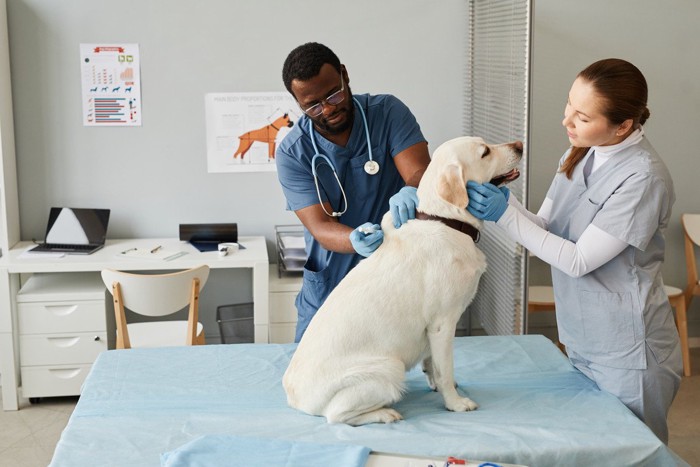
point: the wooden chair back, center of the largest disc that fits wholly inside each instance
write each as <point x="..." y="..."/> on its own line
<point x="155" y="295"/>
<point x="691" y="231"/>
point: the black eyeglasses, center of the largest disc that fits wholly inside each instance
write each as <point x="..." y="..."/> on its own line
<point x="334" y="99"/>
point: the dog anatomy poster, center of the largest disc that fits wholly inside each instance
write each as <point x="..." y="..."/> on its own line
<point x="111" y="84"/>
<point x="244" y="129"/>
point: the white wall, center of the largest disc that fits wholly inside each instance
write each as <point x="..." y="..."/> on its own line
<point x="658" y="37"/>
<point x="9" y="206"/>
<point x="414" y="49"/>
<point x="154" y="177"/>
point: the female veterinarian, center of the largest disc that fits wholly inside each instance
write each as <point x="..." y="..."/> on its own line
<point x="347" y="161"/>
<point x="601" y="227"/>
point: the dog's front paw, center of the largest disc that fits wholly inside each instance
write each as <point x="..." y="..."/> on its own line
<point x="461" y="404"/>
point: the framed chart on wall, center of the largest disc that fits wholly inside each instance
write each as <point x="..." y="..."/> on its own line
<point x="244" y="129"/>
<point x="111" y="84"/>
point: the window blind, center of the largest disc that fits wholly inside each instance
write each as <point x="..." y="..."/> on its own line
<point x="496" y="109"/>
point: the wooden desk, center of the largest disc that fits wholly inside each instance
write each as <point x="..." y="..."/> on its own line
<point x="254" y="257"/>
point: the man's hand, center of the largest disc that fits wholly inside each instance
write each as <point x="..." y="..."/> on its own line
<point x="366" y="238"/>
<point x="403" y="205"/>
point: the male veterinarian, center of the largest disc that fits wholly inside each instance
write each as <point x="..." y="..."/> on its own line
<point x="346" y="162"/>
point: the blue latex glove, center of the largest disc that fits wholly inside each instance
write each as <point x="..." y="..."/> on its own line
<point x="367" y="238"/>
<point x="487" y="202"/>
<point x="403" y="205"/>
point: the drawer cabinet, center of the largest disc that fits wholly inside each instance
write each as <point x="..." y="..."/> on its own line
<point x="53" y="380"/>
<point x="62" y="329"/>
<point x="56" y="349"/>
<point x="283" y="313"/>
<point x="61" y="316"/>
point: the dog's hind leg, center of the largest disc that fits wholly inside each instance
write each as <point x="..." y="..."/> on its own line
<point x="364" y="403"/>
<point x="366" y="393"/>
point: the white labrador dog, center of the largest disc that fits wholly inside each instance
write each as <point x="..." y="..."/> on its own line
<point x="401" y="305"/>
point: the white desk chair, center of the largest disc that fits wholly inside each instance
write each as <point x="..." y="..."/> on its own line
<point x="691" y="231"/>
<point x="541" y="298"/>
<point x="157" y="295"/>
<point x="676" y="297"/>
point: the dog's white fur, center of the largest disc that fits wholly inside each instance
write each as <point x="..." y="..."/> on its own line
<point x="401" y="305"/>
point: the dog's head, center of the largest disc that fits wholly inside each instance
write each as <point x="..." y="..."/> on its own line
<point x="442" y="190"/>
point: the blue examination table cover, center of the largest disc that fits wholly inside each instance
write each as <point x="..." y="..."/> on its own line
<point x="535" y="409"/>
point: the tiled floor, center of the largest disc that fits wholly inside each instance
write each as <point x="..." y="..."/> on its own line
<point x="28" y="436"/>
<point x="684" y="418"/>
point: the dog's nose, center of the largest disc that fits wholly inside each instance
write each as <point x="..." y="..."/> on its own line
<point x="518" y="146"/>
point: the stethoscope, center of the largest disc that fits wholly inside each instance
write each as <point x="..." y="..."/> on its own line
<point x="371" y="166"/>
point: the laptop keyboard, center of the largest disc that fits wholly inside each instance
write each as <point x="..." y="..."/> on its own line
<point x="64" y="246"/>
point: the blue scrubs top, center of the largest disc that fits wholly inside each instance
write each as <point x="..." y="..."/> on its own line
<point x="608" y="315"/>
<point x="392" y="129"/>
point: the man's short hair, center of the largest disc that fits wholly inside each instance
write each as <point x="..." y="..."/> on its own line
<point x="305" y="62"/>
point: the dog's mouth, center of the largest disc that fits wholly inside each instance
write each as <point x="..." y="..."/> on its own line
<point x="506" y="177"/>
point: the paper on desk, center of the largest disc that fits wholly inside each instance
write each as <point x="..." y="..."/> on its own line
<point x="148" y="253"/>
<point x="28" y="253"/>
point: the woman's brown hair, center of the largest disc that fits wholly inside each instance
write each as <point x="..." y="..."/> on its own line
<point x="623" y="91"/>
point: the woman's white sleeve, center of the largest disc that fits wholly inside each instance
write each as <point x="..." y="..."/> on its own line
<point x="593" y="249"/>
<point x="540" y="218"/>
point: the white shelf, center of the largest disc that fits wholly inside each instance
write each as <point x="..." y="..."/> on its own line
<point x="60" y="287"/>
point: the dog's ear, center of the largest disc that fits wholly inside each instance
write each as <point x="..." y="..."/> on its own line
<point x="452" y="186"/>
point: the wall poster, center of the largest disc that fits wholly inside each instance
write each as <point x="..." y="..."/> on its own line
<point x="111" y="84"/>
<point x="244" y="129"/>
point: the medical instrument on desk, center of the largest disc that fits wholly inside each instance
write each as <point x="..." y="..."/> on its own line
<point x="371" y="166"/>
<point x="226" y="248"/>
<point x="454" y="461"/>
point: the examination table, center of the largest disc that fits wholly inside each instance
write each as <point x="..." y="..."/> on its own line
<point x="535" y="409"/>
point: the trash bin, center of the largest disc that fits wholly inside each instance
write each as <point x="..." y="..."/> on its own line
<point x="236" y="323"/>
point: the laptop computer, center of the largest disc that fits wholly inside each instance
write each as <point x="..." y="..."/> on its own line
<point x="78" y="231"/>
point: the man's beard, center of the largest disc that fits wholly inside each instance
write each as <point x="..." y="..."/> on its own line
<point x="323" y="126"/>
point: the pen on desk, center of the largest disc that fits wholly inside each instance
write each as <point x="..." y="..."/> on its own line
<point x="156" y="248"/>
<point x="126" y="251"/>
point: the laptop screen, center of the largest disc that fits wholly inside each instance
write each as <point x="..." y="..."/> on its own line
<point x="77" y="226"/>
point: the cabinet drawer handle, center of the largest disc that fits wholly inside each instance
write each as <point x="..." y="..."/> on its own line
<point x="61" y="310"/>
<point x="63" y="341"/>
<point x="65" y="373"/>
